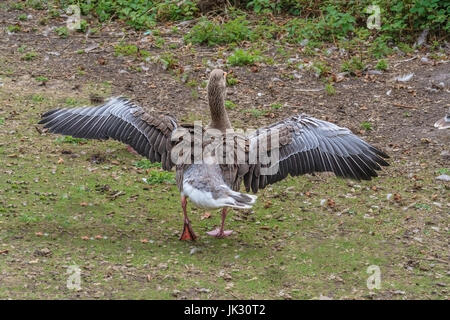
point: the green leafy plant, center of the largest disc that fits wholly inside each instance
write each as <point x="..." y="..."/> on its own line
<point x="13" y="28"/>
<point x="146" y="164"/>
<point x="230" y="104"/>
<point x="71" y="140"/>
<point x="37" y="4"/>
<point x="42" y="79"/>
<point x="329" y="89"/>
<point x="126" y="50"/>
<point x="241" y="57"/>
<point x="381" y="65"/>
<point x="29" y="56"/>
<point x="353" y="65"/>
<point x="366" y="125"/>
<point x="158" y="177"/>
<point x="276" y="106"/>
<point x="232" y="80"/>
<point x="213" y="33"/>
<point x="62" y="32"/>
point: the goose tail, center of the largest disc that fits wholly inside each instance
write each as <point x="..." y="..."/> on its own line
<point x="240" y="200"/>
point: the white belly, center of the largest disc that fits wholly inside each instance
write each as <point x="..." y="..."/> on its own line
<point x="201" y="198"/>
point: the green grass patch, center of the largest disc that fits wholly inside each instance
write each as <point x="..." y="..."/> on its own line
<point x="160" y="177"/>
<point x="382" y="65"/>
<point x="146" y="164"/>
<point x="62" y="32"/>
<point x="242" y="57"/>
<point x="212" y="33"/>
<point x="230" y="104"/>
<point x="366" y="125"/>
<point x="71" y="140"/>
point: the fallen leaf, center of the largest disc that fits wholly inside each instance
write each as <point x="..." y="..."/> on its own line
<point x="331" y="203"/>
<point x="207" y="215"/>
<point x="267" y="204"/>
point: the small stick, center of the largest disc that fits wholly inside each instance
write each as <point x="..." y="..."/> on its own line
<point x="399" y="105"/>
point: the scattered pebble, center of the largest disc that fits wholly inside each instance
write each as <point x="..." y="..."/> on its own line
<point x="443" y="177"/>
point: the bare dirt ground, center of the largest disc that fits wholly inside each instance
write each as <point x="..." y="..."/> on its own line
<point x="402" y="115"/>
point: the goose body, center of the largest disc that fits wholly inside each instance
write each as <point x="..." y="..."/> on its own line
<point x="302" y="144"/>
<point x="205" y="186"/>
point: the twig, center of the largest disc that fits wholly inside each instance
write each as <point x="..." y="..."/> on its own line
<point x="309" y="90"/>
<point x="406" y="60"/>
<point x="399" y="105"/>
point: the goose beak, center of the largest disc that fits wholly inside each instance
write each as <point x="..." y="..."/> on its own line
<point x="225" y="74"/>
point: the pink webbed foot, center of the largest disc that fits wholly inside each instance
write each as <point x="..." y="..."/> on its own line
<point x="188" y="233"/>
<point x="220" y="233"/>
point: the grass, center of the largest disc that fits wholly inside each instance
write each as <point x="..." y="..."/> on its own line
<point x="242" y="57"/>
<point x="212" y="33"/>
<point x="230" y="105"/>
<point x="276" y="106"/>
<point x="70" y="140"/>
<point x="13" y="28"/>
<point x="329" y="89"/>
<point x="30" y="56"/>
<point x="366" y="125"/>
<point x="126" y="50"/>
<point x="62" y="32"/>
<point x="232" y="80"/>
<point x="353" y="65"/>
<point x="42" y="79"/>
<point x="320" y="68"/>
<point x="382" y="65"/>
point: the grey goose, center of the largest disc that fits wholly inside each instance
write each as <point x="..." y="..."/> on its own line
<point x="304" y="145"/>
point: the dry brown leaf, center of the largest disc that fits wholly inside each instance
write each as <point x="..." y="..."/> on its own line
<point x="331" y="203"/>
<point x="207" y="215"/>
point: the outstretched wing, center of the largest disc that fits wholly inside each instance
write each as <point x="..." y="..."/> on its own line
<point x="121" y="120"/>
<point x="307" y="145"/>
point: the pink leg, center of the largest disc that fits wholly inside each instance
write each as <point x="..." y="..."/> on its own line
<point x="220" y="232"/>
<point x="188" y="233"/>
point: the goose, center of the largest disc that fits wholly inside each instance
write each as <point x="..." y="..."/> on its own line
<point x="295" y="146"/>
<point x="443" y="123"/>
